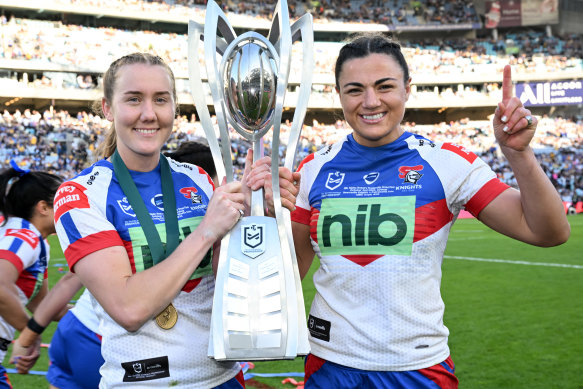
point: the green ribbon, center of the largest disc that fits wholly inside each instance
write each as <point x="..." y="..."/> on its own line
<point x="159" y="253"/>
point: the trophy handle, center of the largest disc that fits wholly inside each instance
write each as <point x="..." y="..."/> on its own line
<point x="216" y="20"/>
<point x="223" y="166"/>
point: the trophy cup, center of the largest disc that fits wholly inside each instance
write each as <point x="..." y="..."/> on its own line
<point x="258" y="306"/>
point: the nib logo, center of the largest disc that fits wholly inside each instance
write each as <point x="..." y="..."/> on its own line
<point x="371" y="177"/>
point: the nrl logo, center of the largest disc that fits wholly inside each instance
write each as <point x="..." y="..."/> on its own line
<point x="334" y="180"/>
<point x="253" y="242"/>
<point x="126" y="207"/>
<point x="137" y="367"/>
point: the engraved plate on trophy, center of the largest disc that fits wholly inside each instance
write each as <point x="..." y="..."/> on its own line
<point x="258" y="306"/>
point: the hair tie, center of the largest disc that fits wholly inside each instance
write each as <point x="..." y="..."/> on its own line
<point x="20" y="170"/>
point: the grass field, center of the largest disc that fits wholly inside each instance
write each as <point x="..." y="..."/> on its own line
<point x="514" y="311"/>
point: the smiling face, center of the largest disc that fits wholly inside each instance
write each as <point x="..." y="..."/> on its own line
<point x="373" y="94"/>
<point x="142" y="109"/>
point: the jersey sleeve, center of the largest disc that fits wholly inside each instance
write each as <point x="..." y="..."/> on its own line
<point x="19" y="247"/>
<point x="81" y="223"/>
<point x="470" y="182"/>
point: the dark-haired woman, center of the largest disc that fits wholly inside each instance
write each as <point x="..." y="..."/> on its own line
<point x="377" y="208"/>
<point x="26" y="203"/>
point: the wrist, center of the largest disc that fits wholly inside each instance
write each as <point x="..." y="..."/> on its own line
<point x="34" y="326"/>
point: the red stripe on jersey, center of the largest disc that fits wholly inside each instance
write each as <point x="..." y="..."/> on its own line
<point x="202" y="171"/>
<point x="27" y="283"/>
<point x="485" y="195"/>
<point x="313" y="364"/>
<point x="190" y="285"/>
<point x="314" y="215"/>
<point x="94" y="242"/>
<point x="27" y="236"/>
<point x="443" y="376"/>
<point x="430" y="218"/>
<point x="13" y="259"/>
<point x="306" y="160"/>
<point x="300" y="215"/>
<point x="461" y="151"/>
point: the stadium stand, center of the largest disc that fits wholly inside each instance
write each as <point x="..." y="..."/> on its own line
<point x="52" y="58"/>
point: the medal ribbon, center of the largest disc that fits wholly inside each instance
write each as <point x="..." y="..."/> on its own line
<point x="159" y="253"/>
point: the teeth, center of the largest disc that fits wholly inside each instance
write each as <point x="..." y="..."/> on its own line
<point x="146" y="130"/>
<point x="373" y="117"/>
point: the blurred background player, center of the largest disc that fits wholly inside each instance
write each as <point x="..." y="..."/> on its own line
<point x="26" y="203"/>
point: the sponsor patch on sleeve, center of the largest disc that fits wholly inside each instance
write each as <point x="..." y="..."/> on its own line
<point x="69" y="196"/>
<point x="27" y="236"/>
<point x="461" y="151"/>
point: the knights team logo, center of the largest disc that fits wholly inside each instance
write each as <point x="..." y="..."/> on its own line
<point x="410" y="174"/>
<point x="125" y="206"/>
<point x="191" y="193"/>
<point x="253" y="239"/>
<point x="334" y="180"/>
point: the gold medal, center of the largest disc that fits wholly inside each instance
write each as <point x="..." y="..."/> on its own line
<point x="167" y="318"/>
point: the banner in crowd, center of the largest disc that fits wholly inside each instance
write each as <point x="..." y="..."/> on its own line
<point x="509" y="13"/>
<point x="539" y="94"/>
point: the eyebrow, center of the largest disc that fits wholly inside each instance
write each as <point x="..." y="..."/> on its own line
<point x="130" y="92"/>
<point x="377" y="82"/>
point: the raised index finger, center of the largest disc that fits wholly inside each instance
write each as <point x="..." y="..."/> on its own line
<point x="507" y="84"/>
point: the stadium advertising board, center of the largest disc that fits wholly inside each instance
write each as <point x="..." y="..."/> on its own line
<point x="509" y="13"/>
<point x="539" y="94"/>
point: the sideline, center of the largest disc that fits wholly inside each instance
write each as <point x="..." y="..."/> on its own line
<point x="547" y="264"/>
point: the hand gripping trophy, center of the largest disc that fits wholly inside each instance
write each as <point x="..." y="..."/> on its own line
<point x="258" y="307"/>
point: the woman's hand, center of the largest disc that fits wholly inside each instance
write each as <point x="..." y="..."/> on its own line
<point x="514" y="125"/>
<point x="225" y="209"/>
<point x="259" y="176"/>
<point x="24" y="358"/>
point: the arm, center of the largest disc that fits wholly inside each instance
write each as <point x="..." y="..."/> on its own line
<point x="535" y="214"/>
<point x="11" y="309"/>
<point x="132" y="299"/>
<point x="304" y="250"/>
<point x="53" y="307"/>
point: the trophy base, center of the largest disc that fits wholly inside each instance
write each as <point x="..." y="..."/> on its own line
<point x="255" y="305"/>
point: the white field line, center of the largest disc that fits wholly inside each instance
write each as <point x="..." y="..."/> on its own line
<point x="515" y="262"/>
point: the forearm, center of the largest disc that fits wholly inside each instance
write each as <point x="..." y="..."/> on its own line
<point x="542" y="208"/>
<point x="55" y="304"/>
<point x="132" y="299"/>
<point x="11" y="309"/>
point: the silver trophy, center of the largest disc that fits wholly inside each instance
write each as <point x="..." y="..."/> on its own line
<point x="258" y="307"/>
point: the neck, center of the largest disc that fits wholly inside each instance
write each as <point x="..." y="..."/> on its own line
<point x="137" y="162"/>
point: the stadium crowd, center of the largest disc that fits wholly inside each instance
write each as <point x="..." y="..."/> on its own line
<point x="64" y="144"/>
<point x="87" y="51"/>
<point x="388" y="12"/>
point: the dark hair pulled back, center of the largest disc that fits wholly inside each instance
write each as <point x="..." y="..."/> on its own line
<point x="20" y="192"/>
<point x="362" y="45"/>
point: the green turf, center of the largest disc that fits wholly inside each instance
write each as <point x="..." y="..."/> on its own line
<point x="512" y="325"/>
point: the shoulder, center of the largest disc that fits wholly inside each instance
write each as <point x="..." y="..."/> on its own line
<point x="320" y="157"/>
<point x="17" y="229"/>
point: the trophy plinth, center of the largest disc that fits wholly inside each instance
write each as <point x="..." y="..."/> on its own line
<point x="258" y="306"/>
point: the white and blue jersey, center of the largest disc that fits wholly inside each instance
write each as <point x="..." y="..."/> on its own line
<point x="92" y="213"/>
<point x="22" y="245"/>
<point x="379" y="220"/>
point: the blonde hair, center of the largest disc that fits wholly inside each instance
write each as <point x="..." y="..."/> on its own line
<point x="108" y="146"/>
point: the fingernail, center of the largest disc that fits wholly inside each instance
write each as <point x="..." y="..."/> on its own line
<point x="504" y="119"/>
<point x="505" y="129"/>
